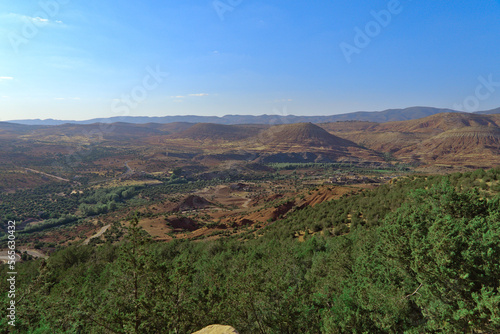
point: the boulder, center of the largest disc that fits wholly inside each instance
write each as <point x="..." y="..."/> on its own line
<point x="217" y="329"/>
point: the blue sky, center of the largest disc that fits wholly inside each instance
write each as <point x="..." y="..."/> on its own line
<point x="69" y="59"/>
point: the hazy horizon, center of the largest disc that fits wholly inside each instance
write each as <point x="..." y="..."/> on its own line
<point x="68" y="60"/>
<point x="280" y="114"/>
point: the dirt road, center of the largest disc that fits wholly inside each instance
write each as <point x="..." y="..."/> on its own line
<point x="34" y="253"/>
<point x="98" y="234"/>
<point x="5" y="258"/>
<point x="245" y="205"/>
<point x="45" y="174"/>
<point x="129" y="170"/>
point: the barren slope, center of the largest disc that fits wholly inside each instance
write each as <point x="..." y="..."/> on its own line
<point x="210" y="131"/>
<point x="306" y="142"/>
<point x="474" y="145"/>
<point x="448" y="138"/>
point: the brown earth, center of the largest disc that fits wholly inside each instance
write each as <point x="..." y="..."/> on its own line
<point x="242" y="206"/>
<point x="210" y="131"/>
<point x="447" y="138"/>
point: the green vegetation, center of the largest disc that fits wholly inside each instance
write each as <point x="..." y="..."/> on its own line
<point x="58" y="204"/>
<point x="341" y="167"/>
<point x="43" y="202"/>
<point x="419" y="255"/>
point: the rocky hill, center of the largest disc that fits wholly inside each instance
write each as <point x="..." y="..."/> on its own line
<point x="302" y="135"/>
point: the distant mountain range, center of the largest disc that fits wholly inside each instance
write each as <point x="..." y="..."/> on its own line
<point x="489" y="112"/>
<point x="446" y="139"/>
<point x="373" y="116"/>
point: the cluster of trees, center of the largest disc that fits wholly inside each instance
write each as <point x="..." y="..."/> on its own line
<point x="49" y="223"/>
<point x="425" y="262"/>
<point x="370" y="207"/>
<point x="331" y="165"/>
<point x="40" y="202"/>
<point x="104" y="200"/>
<point x="57" y="205"/>
<point x="298" y="165"/>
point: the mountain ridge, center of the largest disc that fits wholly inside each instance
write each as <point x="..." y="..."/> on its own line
<point x="387" y="115"/>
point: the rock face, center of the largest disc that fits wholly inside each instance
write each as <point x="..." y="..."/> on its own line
<point x="217" y="329"/>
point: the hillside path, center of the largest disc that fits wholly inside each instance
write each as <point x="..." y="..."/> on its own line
<point x="98" y="234"/>
<point x="34" y="253"/>
<point x="49" y="175"/>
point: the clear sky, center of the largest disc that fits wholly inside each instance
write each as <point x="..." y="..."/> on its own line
<point x="68" y="59"/>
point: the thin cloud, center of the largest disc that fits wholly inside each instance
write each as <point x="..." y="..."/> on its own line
<point x="35" y="19"/>
<point x="199" y="94"/>
<point x="39" y="20"/>
<point x="6" y="78"/>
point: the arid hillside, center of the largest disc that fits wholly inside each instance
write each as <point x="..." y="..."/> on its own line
<point x="448" y="138"/>
<point x="452" y="139"/>
<point x="213" y="132"/>
<point x="282" y="141"/>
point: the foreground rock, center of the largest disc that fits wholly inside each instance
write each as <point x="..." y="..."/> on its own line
<point x="217" y="329"/>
